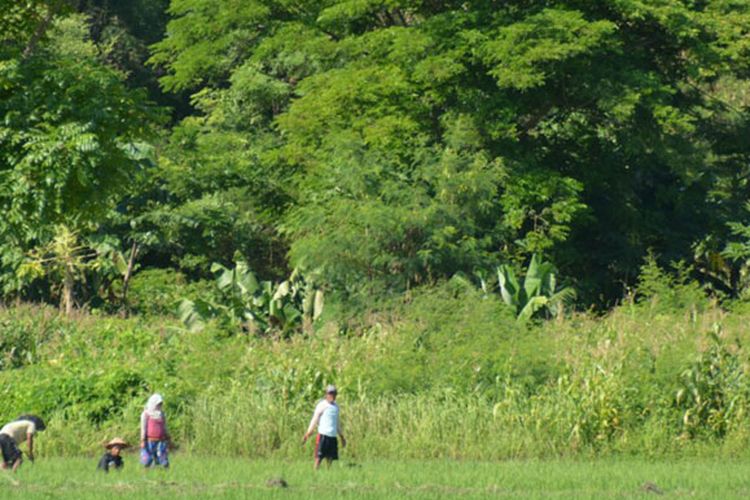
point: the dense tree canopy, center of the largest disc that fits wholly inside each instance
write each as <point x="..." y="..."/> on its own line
<point x="389" y="143"/>
<point x="73" y="137"/>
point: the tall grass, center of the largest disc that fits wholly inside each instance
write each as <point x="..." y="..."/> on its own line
<point x="445" y="374"/>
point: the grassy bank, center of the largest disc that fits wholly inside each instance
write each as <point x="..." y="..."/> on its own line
<point x="444" y="374"/>
<point x="193" y="477"/>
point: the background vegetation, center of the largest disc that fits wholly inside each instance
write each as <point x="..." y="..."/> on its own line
<point x="505" y="229"/>
<point x="451" y="373"/>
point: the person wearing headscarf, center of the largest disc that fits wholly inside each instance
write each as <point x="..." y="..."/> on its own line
<point x="23" y="429"/>
<point x="154" y="434"/>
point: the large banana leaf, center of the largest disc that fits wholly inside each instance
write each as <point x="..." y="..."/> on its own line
<point x="194" y="314"/>
<point x="318" y="305"/>
<point x="281" y="291"/>
<point x="262" y="306"/>
<point x="247" y="281"/>
<point x="539" y="277"/>
<point x="225" y="280"/>
<point x="532" y="282"/>
<point x="533" y="305"/>
<point x="506" y="279"/>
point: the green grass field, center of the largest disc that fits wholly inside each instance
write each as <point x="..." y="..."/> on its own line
<point x="193" y="477"/>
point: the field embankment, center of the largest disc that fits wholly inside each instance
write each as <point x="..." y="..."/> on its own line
<point x="448" y="374"/>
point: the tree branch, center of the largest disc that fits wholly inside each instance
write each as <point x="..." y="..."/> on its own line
<point x="41" y="29"/>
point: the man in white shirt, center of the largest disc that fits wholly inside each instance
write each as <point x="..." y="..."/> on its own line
<point x="13" y="434"/>
<point x="326" y="418"/>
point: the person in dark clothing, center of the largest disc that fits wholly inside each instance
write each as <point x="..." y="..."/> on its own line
<point x="112" y="459"/>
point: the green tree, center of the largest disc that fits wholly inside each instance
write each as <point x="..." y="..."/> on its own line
<point x="399" y="142"/>
<point x="71" y="140"/>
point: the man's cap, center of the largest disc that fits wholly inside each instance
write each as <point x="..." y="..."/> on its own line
<point x="331" y="389"/>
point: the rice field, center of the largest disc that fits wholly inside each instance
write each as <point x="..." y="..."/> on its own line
<point x="195" y="477"/>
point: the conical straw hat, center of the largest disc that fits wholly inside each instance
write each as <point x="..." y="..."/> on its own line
<point x="117" y="442"/>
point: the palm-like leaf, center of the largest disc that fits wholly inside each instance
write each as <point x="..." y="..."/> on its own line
<point x="194" y="314"/>
<point x="532" y="306"/>
<point x="539" y="289"/>
<point x="506" y="279"/>
<point x="532" y="283"/>
<point x="257" y="306"/>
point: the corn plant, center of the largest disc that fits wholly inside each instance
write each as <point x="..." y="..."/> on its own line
<point x="713" y="391"/>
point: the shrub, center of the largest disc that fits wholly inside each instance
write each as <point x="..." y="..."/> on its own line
<point x="714" y="390"/>
<point x="157" y="292"/>
<point x="446" y="372"/>
<point x="669" y="292"/>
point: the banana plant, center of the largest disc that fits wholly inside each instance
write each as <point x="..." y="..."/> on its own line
<point x="257" y="306"/>
<point x="538" y="291"/>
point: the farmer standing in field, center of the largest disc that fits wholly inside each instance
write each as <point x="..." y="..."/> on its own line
<point x="154" y="434"/>
<point x="13" y="434"/>
<point x="326" y="418"/>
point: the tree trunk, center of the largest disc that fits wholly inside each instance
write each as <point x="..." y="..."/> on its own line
<point x="128" y="274"/>
<point x="68" y="283"/>
<point x="41" y="29"/>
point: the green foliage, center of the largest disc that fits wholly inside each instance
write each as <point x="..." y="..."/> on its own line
<point x="24" y="24"/>
<point x="447" y="137"/>
<point x="244" y="303"/>
<point x="666" y="292"/>
<point x="713" y="391"/>
<point x="158" y="292"/>
<point x="522" y="52"/>
<point x="206" y="38"/>
<point x="65" y="261"/>
<point x="70" y="142"/>
<point x="69" y="138"/>
<point x="539" y="290"/>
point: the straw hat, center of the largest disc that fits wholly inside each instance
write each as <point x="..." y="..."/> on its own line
<point x="117" y="442"/>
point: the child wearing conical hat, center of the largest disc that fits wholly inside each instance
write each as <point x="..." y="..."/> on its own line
<point x="112" y="458"/>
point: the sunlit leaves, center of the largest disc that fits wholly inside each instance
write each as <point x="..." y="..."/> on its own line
<point x="522" y="53"/>
<point x="402" y="141"/>
<point x="71" y="138"/>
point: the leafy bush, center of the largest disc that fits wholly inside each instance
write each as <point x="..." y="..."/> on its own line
<point x="714" y="391"/>
<point x="155" y="292"/>
<point x="22" y="334"/>
<point x="241" y="302"/>
<point x="666" y="292"/>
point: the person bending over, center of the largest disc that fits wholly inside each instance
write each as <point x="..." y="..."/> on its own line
<point x="24" y="428"/>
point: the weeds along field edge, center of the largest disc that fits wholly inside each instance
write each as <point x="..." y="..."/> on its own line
<point x="448" y="375"/>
